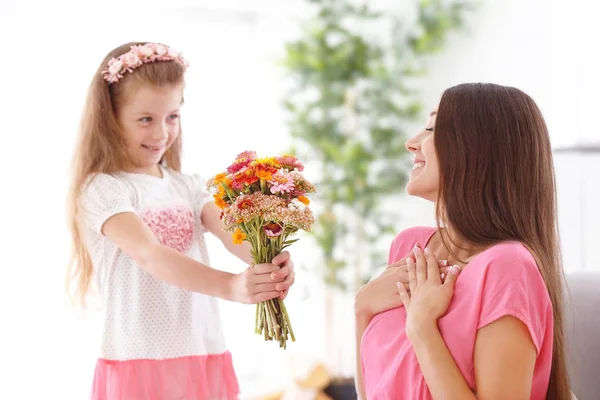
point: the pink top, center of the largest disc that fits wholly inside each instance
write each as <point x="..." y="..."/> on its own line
<point x="503" y="280"/>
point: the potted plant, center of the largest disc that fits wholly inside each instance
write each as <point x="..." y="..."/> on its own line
<point x="349" y="110"/>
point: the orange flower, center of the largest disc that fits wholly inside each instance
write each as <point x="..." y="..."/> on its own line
<point x="220" y="202"/>
<point x="220" y="177"/>
<point x="264" y="174"/>
<point x="304" y="200"/>
<point x="238" y="236"/>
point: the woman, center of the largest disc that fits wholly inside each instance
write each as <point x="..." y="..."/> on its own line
<point x="491" y="326"/>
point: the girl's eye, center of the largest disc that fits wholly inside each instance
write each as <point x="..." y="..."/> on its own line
<point x="173" y="117"/>
<point x="430" y="130"/>
<point x="145" y="119"/>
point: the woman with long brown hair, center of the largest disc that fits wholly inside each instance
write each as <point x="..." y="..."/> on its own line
<point x="490" y="326"/>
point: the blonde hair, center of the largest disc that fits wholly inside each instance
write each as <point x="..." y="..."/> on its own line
<point x="101" y="148"/>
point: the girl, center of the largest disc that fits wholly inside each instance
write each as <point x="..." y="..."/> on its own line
<point x="496" y="330"/>
<point x="138" y="227"/>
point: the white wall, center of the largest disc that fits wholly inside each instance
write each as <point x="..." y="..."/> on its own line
<point x="233" y="93"/>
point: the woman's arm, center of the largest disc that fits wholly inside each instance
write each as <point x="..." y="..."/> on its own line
<point x="362" y="321"/>
<point x="504" y="360"/>
<point x="134" y="238"/>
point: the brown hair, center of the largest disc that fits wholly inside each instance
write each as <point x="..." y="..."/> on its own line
<point x="101" y="148"/>
<point x="493" y="147"/>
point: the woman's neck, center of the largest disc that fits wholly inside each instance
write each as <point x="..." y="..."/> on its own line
<point x="448" y="245"/>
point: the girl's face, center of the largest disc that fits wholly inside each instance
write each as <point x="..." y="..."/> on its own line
<point x="425" y="176"/>
<point x="149" y="120"/>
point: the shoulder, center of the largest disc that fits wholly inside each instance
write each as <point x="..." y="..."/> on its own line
<point x="194" y="181"/>
<point x="509" y="272"/>
<point x="509" y="260"/>
<point x="102" y="179"/>
<point x="406" y="240"/>
<point x="508" y="282"/>
<point x="98" y="184"/>
<point x="408" y="237"/>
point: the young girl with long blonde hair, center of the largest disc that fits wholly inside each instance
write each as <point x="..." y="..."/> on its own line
<point x="138" y="226"/>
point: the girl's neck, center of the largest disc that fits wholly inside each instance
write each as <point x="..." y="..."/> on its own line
<point x="154" y="171"/>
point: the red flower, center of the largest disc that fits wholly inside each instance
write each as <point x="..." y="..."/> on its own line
<point x="245" y="204"/>
<point x="273" y="229"/>
<point x="239" y="164"/>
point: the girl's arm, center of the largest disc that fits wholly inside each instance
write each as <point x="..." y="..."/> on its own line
<point x="504" y="360"/>
<point x="212" y="222"/>
<point x="134" y="238"/>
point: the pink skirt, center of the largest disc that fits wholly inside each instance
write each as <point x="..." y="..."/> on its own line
<point x="186" y="378"/>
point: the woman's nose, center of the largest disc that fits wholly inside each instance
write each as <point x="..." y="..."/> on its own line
<point x="413" y="144"/>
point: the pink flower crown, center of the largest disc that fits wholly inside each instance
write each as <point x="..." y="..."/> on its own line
<point x="139" y="55"/>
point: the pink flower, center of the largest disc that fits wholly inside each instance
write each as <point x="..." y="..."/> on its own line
<point x="115" y="66"/>
<point x="139" y="55"/>
<point x="144" y="51"/>
<point x="160" y="50"/>
<point x="268" y="208"/>
<point x="132" y="60"/>
<point x="281" y="183"/>
<point x="173" y="227"/>
<point x="290" y="163"/>
<point x="247" y="154"/>
<point x="273" y="229"/>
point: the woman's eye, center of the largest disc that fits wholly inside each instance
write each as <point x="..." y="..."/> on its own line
<point x="173" y="117"/>
<point x="430" y="130"/>
<point x="145" y="119"/>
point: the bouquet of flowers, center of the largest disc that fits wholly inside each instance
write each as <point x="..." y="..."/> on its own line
<point x="263" y="202"/>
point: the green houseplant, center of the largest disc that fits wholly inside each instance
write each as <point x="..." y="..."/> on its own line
<point x="353" y="73"/>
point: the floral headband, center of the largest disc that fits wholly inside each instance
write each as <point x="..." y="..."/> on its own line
<point x="139" y="55"/>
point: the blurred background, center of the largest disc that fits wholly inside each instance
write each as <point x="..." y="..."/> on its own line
<point x="342" y="83"/>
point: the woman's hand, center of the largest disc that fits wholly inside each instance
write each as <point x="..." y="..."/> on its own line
<point x="381" y="294"/>
<point x="429" y="297"/>
<point x="263" y="282"/>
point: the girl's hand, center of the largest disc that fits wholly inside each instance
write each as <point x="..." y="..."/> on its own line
<point x="381" y="294"/>
<point x="285" y="275"/>
<point x="429" y="297"/>
<point x="263" y="282"/>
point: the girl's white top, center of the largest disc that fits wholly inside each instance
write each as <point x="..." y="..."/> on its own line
<point x="146" y="318"/>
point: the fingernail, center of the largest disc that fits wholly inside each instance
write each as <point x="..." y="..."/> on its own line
<point x="455" y="269"/>
<point x="427" y="251"/>
<point x="443" y="276"/>
<point x="416" y="250"/>
<point x="409" y="263"/>
<point x="398" y="285"/>
<point x="444" y="263"/>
